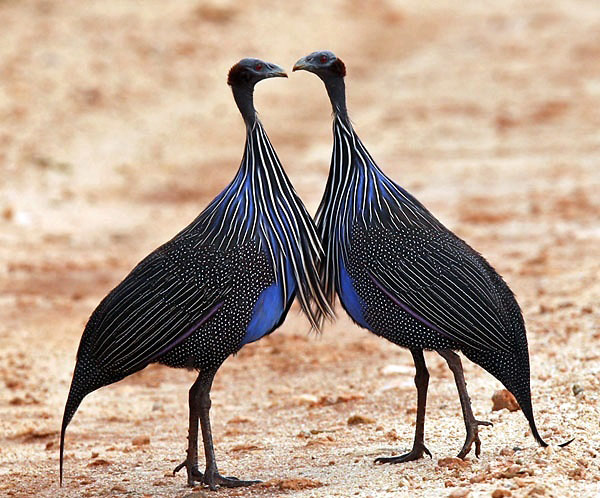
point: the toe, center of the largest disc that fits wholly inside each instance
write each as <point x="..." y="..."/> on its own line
<point x="414" y="454"/>
<point x="234" y="482"/>
<point x="226" y="482"/>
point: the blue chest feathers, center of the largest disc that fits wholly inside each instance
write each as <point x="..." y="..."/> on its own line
<point x="351" y="301"/>
<point x="270" y="309"/>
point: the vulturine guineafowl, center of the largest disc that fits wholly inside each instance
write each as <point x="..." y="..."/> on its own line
<point x="402" y="275"/>
<point x="226" y="280"/>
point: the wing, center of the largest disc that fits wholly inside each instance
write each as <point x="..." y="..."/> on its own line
<point x="158" y="305"/>
<point x="448" y="287"/>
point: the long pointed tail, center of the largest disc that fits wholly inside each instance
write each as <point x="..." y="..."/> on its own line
<point x="526" y="407"/>
<point x="525" y="402"/>
<point x="76" y="395"/>
<point x="503" y="366"/>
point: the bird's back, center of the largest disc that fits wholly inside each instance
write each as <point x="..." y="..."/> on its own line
<point x="433" y="283"/>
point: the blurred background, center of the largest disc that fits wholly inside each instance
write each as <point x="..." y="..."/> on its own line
<point x="117" y="128"/>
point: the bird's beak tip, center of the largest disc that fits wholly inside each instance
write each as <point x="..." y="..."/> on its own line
<point x="300" y="64"/>
<point x="278" y="72"/>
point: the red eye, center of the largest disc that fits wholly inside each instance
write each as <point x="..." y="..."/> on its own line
<point x="323" y="59"/>
<point x="258" y="67"/>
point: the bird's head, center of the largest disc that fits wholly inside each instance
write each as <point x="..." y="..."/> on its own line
<point x="331" y="70"/>
<point x="324" y="64"/>
<point x="248" y="72"/>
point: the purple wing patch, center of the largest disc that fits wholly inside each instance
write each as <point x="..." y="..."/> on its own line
<point x="188" y="333"/>
<point x="412" y="313"/>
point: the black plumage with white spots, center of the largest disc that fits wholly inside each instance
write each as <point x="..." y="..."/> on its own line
<point x="227" y="279"/>
<point x="404" y="276"/>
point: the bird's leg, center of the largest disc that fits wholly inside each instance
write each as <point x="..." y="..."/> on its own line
<point x="471" y="424"/>
<point x="191" y="461"/>
<point x="422" y="382"/>
<point x="211" y="477"/>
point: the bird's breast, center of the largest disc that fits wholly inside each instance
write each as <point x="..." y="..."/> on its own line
<point x="271" y="306"/>
<point x="349" y="297"/>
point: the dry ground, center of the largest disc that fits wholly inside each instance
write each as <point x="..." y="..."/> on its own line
<point x="116" y="128"/>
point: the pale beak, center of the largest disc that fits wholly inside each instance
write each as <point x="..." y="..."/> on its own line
<point x="276" y="72"/>
<point x="302" y="64"/>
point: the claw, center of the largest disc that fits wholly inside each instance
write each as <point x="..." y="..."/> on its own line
<point x="415" y="454"/>
<point x="473" y="437"/>
<point x="213" y="480"/>
<point x="179" y="467"/>
<point x="194" y="475"/>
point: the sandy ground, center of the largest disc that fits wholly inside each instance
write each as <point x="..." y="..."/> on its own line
<point x="116" y="129"/>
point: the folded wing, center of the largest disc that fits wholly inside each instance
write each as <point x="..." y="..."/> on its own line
<point x="448" y="291"/>
<point x="157" y="306"/>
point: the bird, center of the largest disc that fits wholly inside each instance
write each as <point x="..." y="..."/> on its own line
<point x="226" y="280"/>
<point x="401" y="274"/>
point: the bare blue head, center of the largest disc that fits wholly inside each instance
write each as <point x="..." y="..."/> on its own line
<point x="242" y="78"/>
<point x="325" y="64"/>
<point x="330" y="68"/>
<point x="248" y="72"/>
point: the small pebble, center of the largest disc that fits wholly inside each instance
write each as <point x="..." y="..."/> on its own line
<point x="459" y="493"/>
<point x="504" y="399"/>
<point x="515" y="471"/>
<point x="140" y="440"/>
<point x="306" y="399"/>
<point x="360" y="419"/>
<point x="8" y="213"/>
<point x="452" y="463"/>
<point x="481" y="477"/>
<point x="537" y="491"/>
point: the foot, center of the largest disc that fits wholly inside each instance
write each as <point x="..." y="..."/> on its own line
<point x="414" y="454"/>
<point x="473" y="437"/>
<point x="214" y="479"/>
<point x="193" y="474"/>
